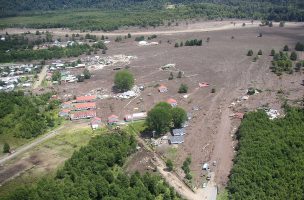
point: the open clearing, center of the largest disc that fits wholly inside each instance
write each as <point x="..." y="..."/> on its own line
<point x="222" y="62"/>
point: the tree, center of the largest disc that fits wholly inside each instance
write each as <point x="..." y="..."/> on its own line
<point x="272" y="53"/>
<point x="250" y="53"/>
<point x="260" y="52"/>
<point x="171" y="77"/>
<point x="213" y="90"/>
<point x="129" y="35"/>
<point x="286" y="48"/>
<point x="183" y="88"/>
<point x="282" y="24"/>
<point x="180" y="74"/>
<point x="124" y="80"/>
<point x="159" y="119"/>
<point x="169" y="165"/>
<point x="181" y="44"/>
<point x="176" y="45"/>
<point x="293" y="56"/>
<point x="299" y="46"/>
<point x="80" y="78"/>
<point x="6" y="148"/>
<point x="87" y="74"/>
<point x="179" y="116"/>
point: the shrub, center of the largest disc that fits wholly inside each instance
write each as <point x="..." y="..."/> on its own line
<point x="176" y="45"/>
<point x="250" y="53"/>
<point x="171" y="77"/>
<point x="183" y="88"/>
<point x="6" y="148"/>
<point x="213" y="90"/>
<point x="293" y="56"/>
<point x="180" y="74"/>
<point x="299" y="47"/>
<point x="272" y="53"/>
<point x="169" y="165"/>
<point x="286" y="48"/>
<point x="260" y="52"/>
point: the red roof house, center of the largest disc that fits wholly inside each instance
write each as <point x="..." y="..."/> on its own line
<point x="172" y="102"/>
<point x="162" y="89"/>
<point x="85" y="99"/>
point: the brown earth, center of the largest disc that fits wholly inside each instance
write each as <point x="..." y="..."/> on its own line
<point x="223" y="63"/>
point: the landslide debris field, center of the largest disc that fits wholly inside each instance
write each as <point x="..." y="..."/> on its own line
<point x="222" y="62"/>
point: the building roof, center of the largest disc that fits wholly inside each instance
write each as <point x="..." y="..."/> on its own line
<point x="170" y="101"/>
<point x="113" y="118"/>
<point x="96" y="120"/>
<point x="65" y="110"/>
<point x="176" y="139"/>
<point x="162" y="87"/>
<point x="178" y="131"/>
<point x="86" y="98"/>
<point x="86" y="113"/>
<point x="85" y="105"/>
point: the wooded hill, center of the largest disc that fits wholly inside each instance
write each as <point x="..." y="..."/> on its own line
<point x="270" y="9"/>
<point x="269" y="162"/>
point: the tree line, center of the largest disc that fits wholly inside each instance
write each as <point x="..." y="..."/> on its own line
<point x="114" y="14"/>
<point x="269" y="161"/>
<point x="95" y="172"/>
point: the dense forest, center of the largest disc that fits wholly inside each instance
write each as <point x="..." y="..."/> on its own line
<point x="112" y="14"/>
<point x="26" y="116"/>
<point x="269" y="162"/>
<point x="20" y="48"/>
<point x="95" y="172"/>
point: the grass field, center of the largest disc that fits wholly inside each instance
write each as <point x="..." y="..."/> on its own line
<point x="49" y="156"/>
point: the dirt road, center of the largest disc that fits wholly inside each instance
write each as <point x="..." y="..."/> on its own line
<point x="41" y="76"/>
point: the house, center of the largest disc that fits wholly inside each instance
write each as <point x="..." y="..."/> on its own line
<point x="176" y="139"/>
<point x="178" y="132"/>
<point x="64" y="113"/>
<point x="113" y="119"/>
<point x="85" y="106"/>
<point x="82" y="99"/>
<point x="162" y="89"/>
<point x="172" y="102"/>
<point x="95" y="123"/>
<point x="83" y="114"/>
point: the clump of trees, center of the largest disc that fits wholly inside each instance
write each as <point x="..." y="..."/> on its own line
<point x="124" y="80"/>
<point x="140" y="38"/>
<point x="299" y="46"/>
<point x="162" y="117"/>
<point x="95" y="172"/>
<point x="194" y="42"/>
<point x="281" y="63"/>
<point x="275" y="158"/>
<point x="26" y="116"/>
<point x="186" y="168"/>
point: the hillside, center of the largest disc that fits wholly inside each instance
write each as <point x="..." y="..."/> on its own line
<point x="274" y="9"/>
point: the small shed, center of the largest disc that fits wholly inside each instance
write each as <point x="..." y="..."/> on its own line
<point x="178" y="132"/>
<point x="113" y="119"/>
<point x="176" y="140"/>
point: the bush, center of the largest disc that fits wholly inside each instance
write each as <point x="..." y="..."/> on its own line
<point x="180" y="74"/>
<point x="124" y="80"/>
<point x="293" y="56"/>
<point x="213" y="90"/>
<point x="260" y="52"/>
<point x="250" y="53"/>
<point x="183" y="88"/>
<point x="87" y="74"/>
<point x="129" y="35"/>
<point x="272" y="53"/>
<point x="286" y="48"/>
<point x="169" y="165"/>
<point x="6" y="148"/>
<point x="176" y="45"/>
